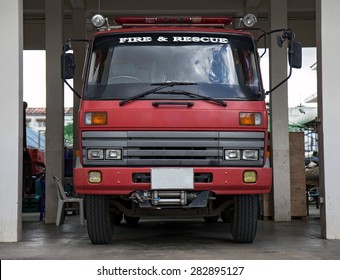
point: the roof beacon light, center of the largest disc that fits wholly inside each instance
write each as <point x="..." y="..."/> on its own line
<point x="249" y="20"/>
<point x="98" y="20"/>
<point x="196" y="20"/>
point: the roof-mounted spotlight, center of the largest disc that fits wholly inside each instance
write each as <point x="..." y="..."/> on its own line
<point x="249" y="20"/>
<point x="98" y="20"/>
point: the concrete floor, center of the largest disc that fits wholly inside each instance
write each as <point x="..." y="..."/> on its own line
<point x="173" y="239"/>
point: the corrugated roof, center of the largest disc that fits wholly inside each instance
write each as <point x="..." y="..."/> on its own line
<point x="42" y="111"/>
<point x="35" y="111"/>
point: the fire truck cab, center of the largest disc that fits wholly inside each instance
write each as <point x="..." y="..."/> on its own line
<point x="172" y="122"/>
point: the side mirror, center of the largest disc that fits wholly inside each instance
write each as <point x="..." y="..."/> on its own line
<point x="67" y="66"/>
<point x="295" y="54"/>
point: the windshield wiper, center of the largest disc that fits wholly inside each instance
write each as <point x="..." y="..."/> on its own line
<point x="160" y="86"/>
<point x="199" y="96"/>
<point x="171" y="84"/>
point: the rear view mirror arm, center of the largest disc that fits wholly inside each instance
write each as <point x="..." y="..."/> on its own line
<point x="282" y="82"/>
<point x="74" y="91"/>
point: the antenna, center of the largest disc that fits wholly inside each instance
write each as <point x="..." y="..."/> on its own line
<point x="98" y="6"/>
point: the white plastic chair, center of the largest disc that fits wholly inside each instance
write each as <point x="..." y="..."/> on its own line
<point x="62" y="198"/>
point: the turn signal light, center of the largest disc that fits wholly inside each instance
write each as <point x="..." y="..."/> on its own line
<point x="96" y="118"/>
<point x="250" y="119"/>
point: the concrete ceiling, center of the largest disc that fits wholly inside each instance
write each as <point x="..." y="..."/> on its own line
<point x="301" y="14"/>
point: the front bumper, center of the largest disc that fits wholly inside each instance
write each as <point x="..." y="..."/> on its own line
<point x="121" y="181"/>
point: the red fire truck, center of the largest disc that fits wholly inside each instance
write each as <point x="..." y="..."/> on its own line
<point x="172" y="122"/>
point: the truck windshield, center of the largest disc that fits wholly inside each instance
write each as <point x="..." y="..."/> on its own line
<point x="214" y="65"/>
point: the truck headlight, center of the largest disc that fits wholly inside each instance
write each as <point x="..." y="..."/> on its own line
<point x="95" y="154"/>
<point x="112" y="154"/>
<point x="232" y="154"/>
<point x="250" y="154"/>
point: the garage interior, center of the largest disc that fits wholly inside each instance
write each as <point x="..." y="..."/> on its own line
<point x="44" y="25"/>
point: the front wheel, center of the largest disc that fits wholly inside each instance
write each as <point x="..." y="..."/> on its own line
<point x="244" y="219"/>
<point x="99" y="220"/>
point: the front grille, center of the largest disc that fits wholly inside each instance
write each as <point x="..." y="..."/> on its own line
<point x="154" y="148"/>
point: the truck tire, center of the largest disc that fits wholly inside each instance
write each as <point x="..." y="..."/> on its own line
<point x="99" y="220"/>
<point x="244" y="219"/>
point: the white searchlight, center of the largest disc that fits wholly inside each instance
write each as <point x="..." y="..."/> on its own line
<point x="249" y="20"/>
<point x="98" y="20"/>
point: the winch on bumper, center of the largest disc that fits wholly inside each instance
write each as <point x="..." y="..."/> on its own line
<point x="171" y="189"/>
<point x="170" y="203"/>
<point x="152" y="199"/>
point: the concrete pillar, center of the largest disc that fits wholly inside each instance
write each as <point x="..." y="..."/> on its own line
<point x="78" y="32"/>
<point x="11" y="115"/>
<point x="54" y="105"/>
<point x="328" y="105"/>
<point x="279" y="115"/>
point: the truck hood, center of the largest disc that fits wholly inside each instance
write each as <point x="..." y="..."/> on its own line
<point x="142" y="115"/>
